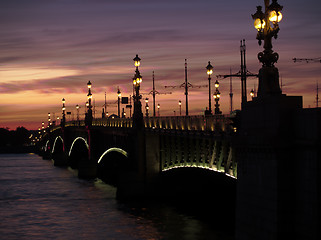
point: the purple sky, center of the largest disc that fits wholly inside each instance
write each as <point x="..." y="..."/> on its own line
<point x="50" y="49"/>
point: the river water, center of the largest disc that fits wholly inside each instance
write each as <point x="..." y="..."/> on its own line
<point x="40" y="201"/>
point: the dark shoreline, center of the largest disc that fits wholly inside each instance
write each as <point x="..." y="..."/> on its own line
<point x="18" y="149"/>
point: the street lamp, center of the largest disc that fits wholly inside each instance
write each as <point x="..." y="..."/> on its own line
<point x="77" y="107"/>
<point x="138" y="120"/>
<point x="146" y="106"/>
<point x="252" y="93"/>
<point x="180" y="107"/>
<point x="63" y="120"/>
<point x="89" y="115"/>
<point x="118" y="100"/>
<point x="267" y="27"/>
<point x="89" y="96"/>
<point x="158" y="107"/>
<point x="209" y="68"/>
<point x="49" y="120"/>
<point x="217" y="96"/>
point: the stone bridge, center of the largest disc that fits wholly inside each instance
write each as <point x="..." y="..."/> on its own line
<point x="120" y="155"/>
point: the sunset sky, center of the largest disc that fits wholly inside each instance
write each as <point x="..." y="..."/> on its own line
<point x="50" y="49"/>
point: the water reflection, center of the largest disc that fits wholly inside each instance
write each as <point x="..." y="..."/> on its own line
<point x="40" y="201"/>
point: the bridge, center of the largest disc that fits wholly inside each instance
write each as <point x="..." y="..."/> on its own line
<point x="114" y="150"/>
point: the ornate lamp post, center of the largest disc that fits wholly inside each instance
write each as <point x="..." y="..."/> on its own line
<point x="209" y="73"/>
<point x="63" y="120"/>
<point x="180" y="107"/>
<point x="252" y="94"/>
<point x="158" y="107"/>
<point x="138" y="120"/>
<point x="146" y="106"/>
<point x="77" y="108"/>
<point x="267" y="25"/>
<point x="89" y="115"/>
<point x="118" y="101"/>
<point x="217" y="96"/>
<point x="49" y="120"/>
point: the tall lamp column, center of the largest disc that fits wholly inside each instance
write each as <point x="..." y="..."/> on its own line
<point x="146" y="106"/>
<point x="118" y="101"/>
<point x="89" y="106"/>
<point x="158" y="107"/>
<point x="138" y="120"/>
<point x="267" y="27"/>
<point x="77" y="108"/>
<point x="63" y="120"/>
<point x="209" y="68"/>
<point x="217" y="96"/>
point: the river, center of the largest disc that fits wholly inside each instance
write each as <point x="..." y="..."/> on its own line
<point x="40" y="201"/>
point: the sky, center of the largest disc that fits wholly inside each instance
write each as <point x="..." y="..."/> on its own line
<point x="49" y="50"/>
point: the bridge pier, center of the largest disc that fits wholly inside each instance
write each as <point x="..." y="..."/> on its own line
<point x="268" y="205"/>
<point x="132" y="182"/>
<point x="87" y="169"/>
<point x="60" y="159"/>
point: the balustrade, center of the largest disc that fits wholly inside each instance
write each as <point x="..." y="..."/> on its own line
<point x="191" y="123"/>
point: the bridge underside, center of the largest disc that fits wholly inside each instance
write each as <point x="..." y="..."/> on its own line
<point x="198" y="151"/>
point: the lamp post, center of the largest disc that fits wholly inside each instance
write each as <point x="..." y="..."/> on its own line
<point x="49" y="120"/>
<point x="267" y="26"/>
<point x="89" y="95"/>
<point x="180" y="107"/>
<point x="146" y="106"/>
<point x="217" y="96"/>
<point x="63" y="120"/>
<point x="252" y="94"/>
<point x="158" y="107"/>
<point x="138" y="120"/>
<point x="89" y="115"/>
<point x="77" y="108"/>
<point x="118" y="101"/>
<point x="209" y="68"/>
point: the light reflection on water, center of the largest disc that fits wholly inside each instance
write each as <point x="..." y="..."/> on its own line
<point x="40" y="201"/>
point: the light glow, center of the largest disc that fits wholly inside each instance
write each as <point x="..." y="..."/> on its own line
<point x="54" y="145"/>
<point x="113" y="150"/>
<point x="76" y="139"/>
<point x="258" y="24"/>
<point x="273" y="17"/>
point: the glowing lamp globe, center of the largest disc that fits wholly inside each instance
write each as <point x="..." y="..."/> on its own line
<point x="137" y="61"/>
<point x="275" y="17"/>
<point x="259" y="24"/>
<point x="209" y="69"/>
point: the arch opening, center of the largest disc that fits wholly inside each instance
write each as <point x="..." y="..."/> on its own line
<point x="79" y="152"/>
<point x="58" y="145"/>
<point x="191" y="185"/>
<point x="113" y="166"/>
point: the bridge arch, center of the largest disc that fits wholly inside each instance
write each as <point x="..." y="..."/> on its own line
<point x="73" y="144"/>
<point x="113" y="164"/>
<point x="113" y="150"/>
<point x="58" y="146"/>
<point x="191" y="185"/>
<point x="47" y="146"/>
<point x="79" y="152"/>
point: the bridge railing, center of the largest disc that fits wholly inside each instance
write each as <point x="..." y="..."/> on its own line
<point x="113" y="122"/>
<point x="191" y="123"/>
<point x="197" y="123"/>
